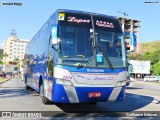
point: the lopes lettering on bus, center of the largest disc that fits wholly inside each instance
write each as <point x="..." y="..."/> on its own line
<point x="74" y="19"/>
<point x="104" y="24"/>
<point x="99" y="78"/>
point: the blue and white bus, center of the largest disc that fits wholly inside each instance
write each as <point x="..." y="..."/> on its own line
<point x="77" y="57"/>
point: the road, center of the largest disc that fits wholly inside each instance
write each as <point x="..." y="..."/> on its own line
<point x="14" y="97"/>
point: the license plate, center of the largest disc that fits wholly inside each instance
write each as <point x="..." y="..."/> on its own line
<point x="94" y="94"/>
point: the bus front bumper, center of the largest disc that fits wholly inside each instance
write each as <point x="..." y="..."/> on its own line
<point x="78" y="94"/>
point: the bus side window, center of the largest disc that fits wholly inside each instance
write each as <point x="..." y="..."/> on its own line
<point x="49" y="59"/>
<point x="49" y="64"/>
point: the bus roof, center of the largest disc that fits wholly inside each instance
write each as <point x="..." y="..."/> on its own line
<point x="84" y="12"/>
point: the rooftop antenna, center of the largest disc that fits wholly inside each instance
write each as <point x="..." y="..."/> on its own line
<point x="13" y="32"/>
<point x="124" y="13"/>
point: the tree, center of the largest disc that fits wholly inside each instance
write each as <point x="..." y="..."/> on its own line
<point x="16" y="60"/>
<point x="153" y="57"/>
<point x="3" y="56"/>
<point x="156" y="68"/>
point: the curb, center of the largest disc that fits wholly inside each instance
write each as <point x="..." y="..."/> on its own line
<point x="4" y="81"/>
<point x="147" y="83"/>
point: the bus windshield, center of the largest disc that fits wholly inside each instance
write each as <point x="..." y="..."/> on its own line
<point x="77" y="46"/>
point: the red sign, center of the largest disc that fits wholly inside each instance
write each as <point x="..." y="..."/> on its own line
<point x="94" y="94"/>
<point x="138" y="75"/>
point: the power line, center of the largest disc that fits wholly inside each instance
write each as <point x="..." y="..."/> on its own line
<point x="124" y="13"/>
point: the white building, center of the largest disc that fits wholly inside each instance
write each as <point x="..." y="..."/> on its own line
<point x="15" y="48"/>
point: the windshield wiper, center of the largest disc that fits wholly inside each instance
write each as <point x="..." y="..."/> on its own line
<point x="79" y="65"/>
<point x="106" y="57"/>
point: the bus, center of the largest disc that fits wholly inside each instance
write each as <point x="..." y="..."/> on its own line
<point x="77" y="57"/>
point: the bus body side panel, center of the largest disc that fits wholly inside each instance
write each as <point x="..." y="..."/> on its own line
<point x="36" y="51"/>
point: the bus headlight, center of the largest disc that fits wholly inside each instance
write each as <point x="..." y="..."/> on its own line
<point x="64" y="82"/>
<point x="120" y="83"/>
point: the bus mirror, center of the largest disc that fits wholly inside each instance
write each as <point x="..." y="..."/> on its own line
<point x="54" y="35"/>
<point x="132" y="43"/>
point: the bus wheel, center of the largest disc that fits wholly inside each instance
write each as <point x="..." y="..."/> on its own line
<point x="26" y="86"/>
<point x="44" y="99"/>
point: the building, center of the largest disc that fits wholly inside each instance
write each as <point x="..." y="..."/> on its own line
<point x="131" y="26"/>
<point x="14" y="48"/>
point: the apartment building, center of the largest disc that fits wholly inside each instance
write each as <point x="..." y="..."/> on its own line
<point x="15" y="48"/>
<point x="131" y="26"/>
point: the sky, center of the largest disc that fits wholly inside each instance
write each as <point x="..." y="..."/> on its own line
<point x="28" y="18"/>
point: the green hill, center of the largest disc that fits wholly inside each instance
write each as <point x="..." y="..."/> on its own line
<point x="150" y="46"/>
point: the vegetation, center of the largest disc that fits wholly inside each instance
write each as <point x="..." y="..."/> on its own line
<point x="3" y="56"/>
<point x="151" y="52"/>
<point x="16" y="59"/>
<point x="150" y="46"/>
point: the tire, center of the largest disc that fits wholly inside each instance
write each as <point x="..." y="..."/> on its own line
<point x="44" y="99"/>
<point x="26" y="86"/>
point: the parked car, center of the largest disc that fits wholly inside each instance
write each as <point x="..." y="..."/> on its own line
<point x="150" y="78"/>
<point x="132" y="79"/>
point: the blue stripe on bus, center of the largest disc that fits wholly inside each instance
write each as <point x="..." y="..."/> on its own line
<point x="82" y="93"/>
<point x="121" y="95"/>
<point x="92" y="70"/>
